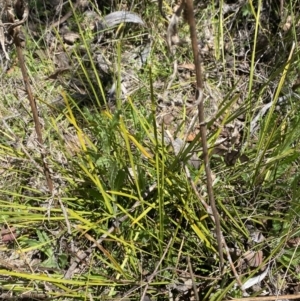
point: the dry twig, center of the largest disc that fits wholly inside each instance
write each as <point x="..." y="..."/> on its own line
<point x="193" y="280"/>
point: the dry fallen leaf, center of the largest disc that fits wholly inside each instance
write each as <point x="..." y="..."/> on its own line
<point x="185" y="286"/>
<point x="71" y="37"/>
<point x="288" y="23"/>
<point x="186" y="66"/>
<point x="257" y="236"/>
<point x="8" y="235"/>
<point x="251" y="258"/>
<point x="293" y="242"/>
<point x="191" y="137"/>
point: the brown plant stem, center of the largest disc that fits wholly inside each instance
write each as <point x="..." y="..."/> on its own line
<point x="193" y="279"/>
<point x="33" y="106"/>
<point x="189" y="14"/>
